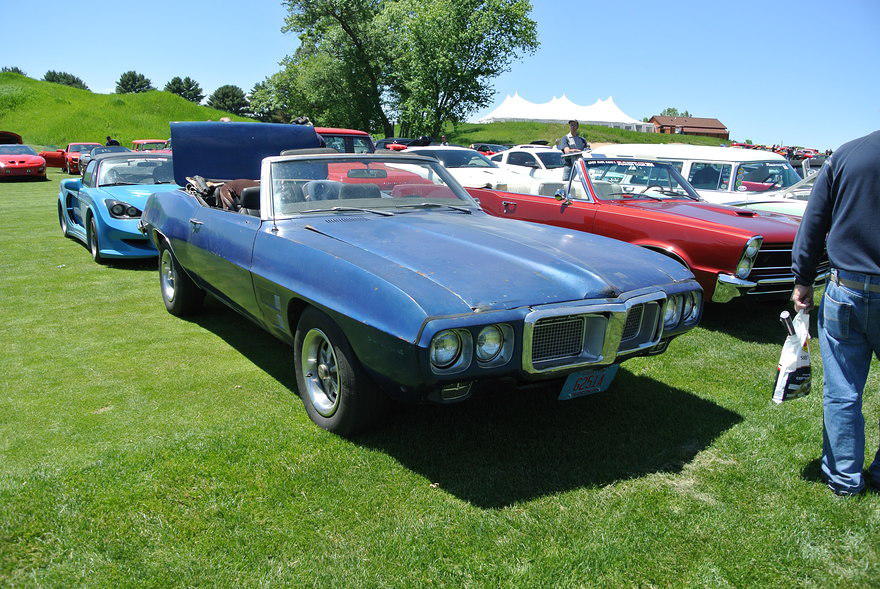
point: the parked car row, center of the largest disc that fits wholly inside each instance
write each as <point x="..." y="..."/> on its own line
<point x="406" y="284"/>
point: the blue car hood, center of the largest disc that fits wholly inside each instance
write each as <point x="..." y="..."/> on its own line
<point x="492" y="263"/>
<point x="136" y="195"/>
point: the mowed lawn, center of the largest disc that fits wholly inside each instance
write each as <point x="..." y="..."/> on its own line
<point x="137" y="448"/>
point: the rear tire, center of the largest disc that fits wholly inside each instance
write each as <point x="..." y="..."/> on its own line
<point x="62" y="220"/>
<point x="338" y="394"/>
<point x="182" y="297"/>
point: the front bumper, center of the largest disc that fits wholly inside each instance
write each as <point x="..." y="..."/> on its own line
<point x="729" y="287"/>
<point x="23" y="171"/>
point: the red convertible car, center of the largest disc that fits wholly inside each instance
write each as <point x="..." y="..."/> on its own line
<point x="66" y="159"/>
<point x="21" y="161"/>
<point x="731" y="251"/>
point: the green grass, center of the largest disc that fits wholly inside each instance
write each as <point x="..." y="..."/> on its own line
<point x="141" y="449"/>
<point x="52" y="114"/>
<point x="516" y="133"/>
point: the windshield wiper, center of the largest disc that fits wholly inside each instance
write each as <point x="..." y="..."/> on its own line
<point x="120" y="184"/>
<point x="429" y="205"/>
<point x="634" y="195"/>
<point x="349" y="209"/>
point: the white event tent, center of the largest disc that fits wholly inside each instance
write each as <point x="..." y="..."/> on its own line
<point x="561" y="110"/>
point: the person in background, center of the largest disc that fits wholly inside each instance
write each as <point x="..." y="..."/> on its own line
<point x="443" y="140"/>
<point x="571" y="143"/>
<point x="111" y="141"/>
<point x="842" y="216"/>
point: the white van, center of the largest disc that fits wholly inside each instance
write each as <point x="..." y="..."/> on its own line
<point x="723" y="175"/>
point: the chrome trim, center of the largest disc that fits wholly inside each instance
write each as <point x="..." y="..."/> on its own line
<point x="820" y="278"/>
<point x="729" y="287"/>
<point x="596" y="352"/>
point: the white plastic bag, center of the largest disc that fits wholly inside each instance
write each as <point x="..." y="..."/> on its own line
<point x="794" y="374"/>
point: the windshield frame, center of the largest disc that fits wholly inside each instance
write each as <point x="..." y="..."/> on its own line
<point x="267" y="197"/>
<point x="99" y="172"/>
<point x="590" y="190"/>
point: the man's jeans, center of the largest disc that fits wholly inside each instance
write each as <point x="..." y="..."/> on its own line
<point x="849" y="331"/>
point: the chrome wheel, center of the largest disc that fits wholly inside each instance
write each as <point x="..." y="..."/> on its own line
<point x="320" y="372"/>
<point x="167" y="275"/>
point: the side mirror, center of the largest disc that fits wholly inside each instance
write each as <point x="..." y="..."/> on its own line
<point x="562" y="196"/>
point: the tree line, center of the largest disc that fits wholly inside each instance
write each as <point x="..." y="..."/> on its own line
<point x="228" y="97"/>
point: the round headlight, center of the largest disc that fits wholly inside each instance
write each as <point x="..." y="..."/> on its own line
<point x="672" y="312"/>
<point x="118" y="209"/>
<point x="132" y="212"/>
<point x="743" y="268"/>
<point x="489" y="343"/>
<point x="688" y="307"/>
<point x="445" y="349"/>
<point x="752" y="249"/>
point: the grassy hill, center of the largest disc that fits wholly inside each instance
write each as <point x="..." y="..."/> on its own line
<point x="514" y="133"/>
<point x="52" y="114"/>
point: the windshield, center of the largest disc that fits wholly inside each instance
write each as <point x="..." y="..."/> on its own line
<point x="551" y="159"/>
<point x="636" y="180"/>
<point x="136" y="170"/>
<point x="16" y="150"/>
<point x="77" y="147"/>
<point x="109" y="149"/>
<point x="761" y="176"/>
<point x="148" y="146"/>
<point x="458" y="158"/>
<point x="320" y="184"/>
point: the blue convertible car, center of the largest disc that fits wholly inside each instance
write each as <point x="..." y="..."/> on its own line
<point x="103" y="208"/>
<point x="388" y="279"/>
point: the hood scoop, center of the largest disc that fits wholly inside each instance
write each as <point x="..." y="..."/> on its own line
<point x="746" y="213"/>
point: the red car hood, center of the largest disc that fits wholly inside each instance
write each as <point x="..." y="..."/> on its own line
<point x="29" y="160"/>
<point x="774" y="227"/>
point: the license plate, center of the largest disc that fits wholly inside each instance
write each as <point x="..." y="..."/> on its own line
<point x="588" y="382"/>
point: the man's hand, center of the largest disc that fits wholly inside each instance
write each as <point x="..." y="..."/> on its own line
<point x="802" y="296"/>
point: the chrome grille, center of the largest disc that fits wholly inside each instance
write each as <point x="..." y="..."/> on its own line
<point x="558" y="337"/>
<point x="633" y="322"/>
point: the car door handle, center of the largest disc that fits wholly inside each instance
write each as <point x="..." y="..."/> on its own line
<point x="509" y="206"/>
<point x="196" y="224"/>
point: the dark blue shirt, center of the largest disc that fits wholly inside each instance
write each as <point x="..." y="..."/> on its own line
<point x="844" y="206"/>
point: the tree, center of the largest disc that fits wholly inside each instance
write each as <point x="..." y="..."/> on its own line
<point x="13" y="70"/>
<point x="671" y="111"/>
<point x="185" y="87"/>
<point x="448" y="51"/>
<point x="132" y="82"/>
<point x="425" y="62"/>
<point x="230" y="98"/>
<point x="64" y="78"/>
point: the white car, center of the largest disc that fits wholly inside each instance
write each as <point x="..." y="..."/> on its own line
<point x="538" y="161"/>
<point x="723" y="175"/>
<point x="474" y="170"/>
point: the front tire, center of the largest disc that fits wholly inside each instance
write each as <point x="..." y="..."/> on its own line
<point x="180" y="294"/>
<point x="338" y="394"/>
<point x="93" y="241"/>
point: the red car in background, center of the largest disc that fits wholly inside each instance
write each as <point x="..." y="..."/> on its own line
<point x="157" y="145"/>
<point x="732" y="251"/>
<point x="66" y="159"/>
<point x="21" y="161"/>
<point x="347" y="140"/>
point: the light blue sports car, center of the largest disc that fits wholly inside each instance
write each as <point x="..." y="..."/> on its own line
<point x="103" y="208"/>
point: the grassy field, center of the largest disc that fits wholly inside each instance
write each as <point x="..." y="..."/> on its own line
<point x="516" y="133"/>
<point x="141" y="449"/>
<point x="52" y="114"/>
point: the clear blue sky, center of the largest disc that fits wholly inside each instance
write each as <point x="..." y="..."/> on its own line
<point x="803" y="72"/>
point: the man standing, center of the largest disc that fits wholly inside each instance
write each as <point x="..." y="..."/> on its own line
<point x="571" y="143"/>
<point x="111" y="141"/>
<point x="844" y="205"/>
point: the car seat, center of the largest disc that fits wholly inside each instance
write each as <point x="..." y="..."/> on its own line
<point x="321" y="190"/>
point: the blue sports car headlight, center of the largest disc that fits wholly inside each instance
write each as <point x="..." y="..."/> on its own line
<point x="122" y="210"/>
